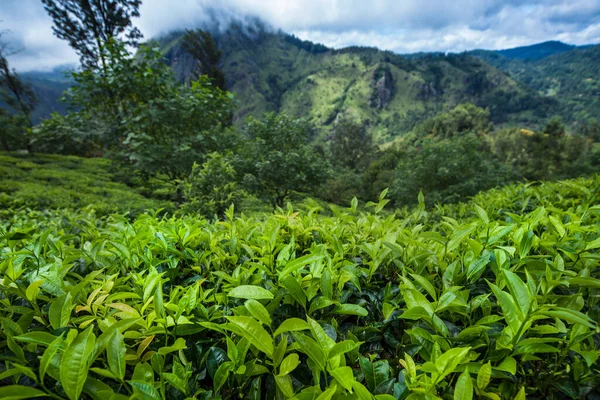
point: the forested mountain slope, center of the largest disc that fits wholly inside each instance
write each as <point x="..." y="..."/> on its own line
<point x="572" y="78"/>
<point x="273" y="71"/>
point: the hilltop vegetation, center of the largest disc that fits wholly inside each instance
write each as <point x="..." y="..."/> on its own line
<point x="270" y="71"/>
<point x="67" y="182"/>
<point x="570" y="77"/>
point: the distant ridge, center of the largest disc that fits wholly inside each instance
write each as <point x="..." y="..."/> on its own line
<point x="537" y="51"/>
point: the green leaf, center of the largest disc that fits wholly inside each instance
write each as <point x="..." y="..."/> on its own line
<point x="41" y="338"/>
<point x="350" y="309"/>
<point x="49" y="354"/>
<point x="519" y="291"/>
<point x="482" y="214"/>
<point x="284" y="383"/>
<point x="250" y="292"/>
<point x="593" y="245"/>
<point x="76" y="362"/>
<point x="509" y="365"/>
<point x="258" y="311"/>
<point x="319" y="303"/>
<point x="328" y="394"/>
<point x="464" y="387"/>
<point x="484" y="375"/>
<point x="342" y="348"/>
<point x="311" y="349"/>
<point x="115" y="355"/>
<point x="254" y="332"/>
<point x="289" y="364"/>
<point x="571" y="316"/>
<point x="292" y="325"/>
<point x="447" y="362"/>
<point x="145" y="390"/>
<point x="344" y="376"/>
<point x="508" y="306"/>
<point x="458" y="237"/>
<point x="222" y="374"/>
<point x="425" y="284"/>
<point x="298" y="263"/>
<point x="18" y="392"/>
<point x="178" y="345"/>
<point x="525" y="244"/>
<point x="59" y="313"/>
<point x="521" y="395"/>
<point x="296" y="291"/>
<point x="477" y="266"/>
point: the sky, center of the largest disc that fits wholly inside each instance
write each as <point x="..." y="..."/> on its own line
<point x="402" y="26"/>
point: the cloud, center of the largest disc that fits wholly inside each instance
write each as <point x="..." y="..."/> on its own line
<point x="401" y="26"/>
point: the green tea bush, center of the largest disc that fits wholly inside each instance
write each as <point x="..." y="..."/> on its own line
<point x="497" y="298"/>
<point x="53" y="182"/>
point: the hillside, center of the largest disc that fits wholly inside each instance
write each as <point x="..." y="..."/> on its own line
<point x="48" y="87"/>
<point x="536" y="51"/>
<point x="273" y="71"/>
<point x="67" y="182"/>
<point x="569" y="77"/>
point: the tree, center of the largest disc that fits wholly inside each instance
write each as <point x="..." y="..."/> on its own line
<point x="350" y="145"/>
<point x="203" y="48"/>
<point x="19" y="96"/>
<point x="87" y="25"/>
<point x="148" y="120"/>
<point x="555" y="127"/>
<point x="447" y="170"/>
<point x="278" y="160"/>
<point x="212" y="187"/>
<point x="464" y="118"/>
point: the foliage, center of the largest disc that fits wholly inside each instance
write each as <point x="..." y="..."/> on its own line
<point x="203" y="48"/>
<point x="567" y="77"/>
<point x="212" y="187"/>
<point x="57" y="182"/>
<point x="141" y="115"/>
<point x="350" y="145"/>
<point x="76" y="133"/>
<point x="277" y="159"/>
<point x="20" y="101"/>
<point x="88" y="25"/>
<point x="543" y="156"/>
<point x="555" y="127"/>
<point x="448" y="170"/>
<point x="464" y="118"/>
<point x="463" y="302"/>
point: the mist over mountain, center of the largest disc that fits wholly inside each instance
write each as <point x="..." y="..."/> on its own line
<point x="270" y="70"/>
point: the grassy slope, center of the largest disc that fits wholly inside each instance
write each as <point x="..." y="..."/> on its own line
<point x="53" y="182"/>
<point x="268" y="72"/>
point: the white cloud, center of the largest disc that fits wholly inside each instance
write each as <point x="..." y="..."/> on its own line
<point x="397" y="25"/>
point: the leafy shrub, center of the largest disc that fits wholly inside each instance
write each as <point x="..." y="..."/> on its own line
<point x="211" y="188"/>
<point x="54" y="182"/>
<point x="298" y="305"/>
<point x="277" y="159"/>
<point x="447" y="171"/>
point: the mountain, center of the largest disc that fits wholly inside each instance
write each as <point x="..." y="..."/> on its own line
<point x="270" y="70"/>
<point x="572" y="78"/>
<point x="48" y="87"/>
<point x="537" y="51"/>
<point x="273" y="71"/>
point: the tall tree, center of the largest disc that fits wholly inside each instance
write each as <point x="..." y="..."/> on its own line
<point x="89" y="24"/>
<point x="278" y="159"/>
<point x="17" y="95"/>
<point x="203" y="48"/>
<point x="350" y="144"/>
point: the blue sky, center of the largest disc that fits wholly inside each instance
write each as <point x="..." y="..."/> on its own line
<point x="403" y="26"/>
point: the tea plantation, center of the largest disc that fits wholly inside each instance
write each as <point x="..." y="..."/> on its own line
<point x="497" y="298"/>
